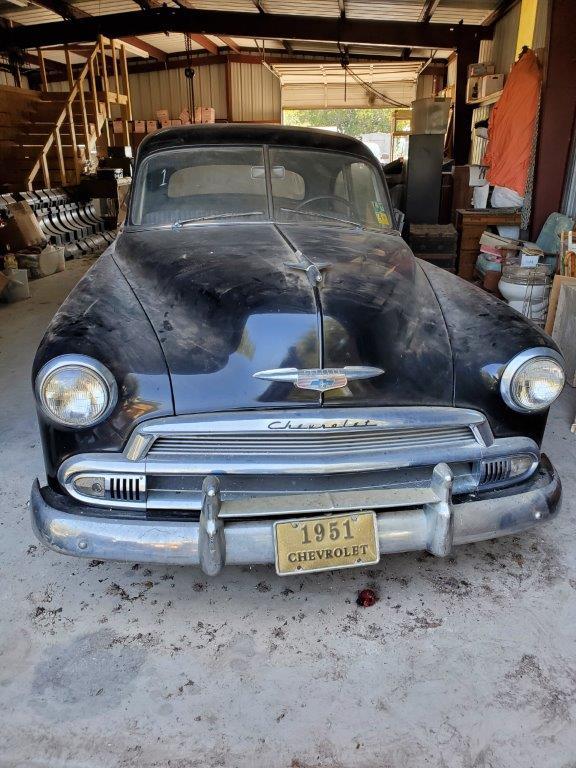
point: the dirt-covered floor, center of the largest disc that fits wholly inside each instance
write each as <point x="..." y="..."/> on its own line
<point x="468" y="662"/>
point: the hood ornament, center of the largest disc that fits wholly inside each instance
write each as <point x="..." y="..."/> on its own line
<point x="320" y="379"/>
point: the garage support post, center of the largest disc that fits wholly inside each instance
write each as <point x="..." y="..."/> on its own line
<point x="558" y="112"/>
<point x="465" y="55"/>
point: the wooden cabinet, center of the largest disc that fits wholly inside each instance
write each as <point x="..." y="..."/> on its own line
<point x="470" y="224"/>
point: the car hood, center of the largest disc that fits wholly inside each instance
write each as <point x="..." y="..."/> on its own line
<point x="227" y="301"/>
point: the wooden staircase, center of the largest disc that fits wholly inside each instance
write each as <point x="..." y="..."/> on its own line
<point x="51" y="138"/>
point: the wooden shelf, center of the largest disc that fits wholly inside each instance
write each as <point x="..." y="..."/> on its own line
<point x="486" y="100"/>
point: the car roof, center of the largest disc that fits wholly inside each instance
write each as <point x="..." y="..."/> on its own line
<point x="243" y="133"/>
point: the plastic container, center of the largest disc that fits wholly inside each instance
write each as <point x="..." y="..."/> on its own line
<point x="430" y="115"/>
<point x="17" y="288"/>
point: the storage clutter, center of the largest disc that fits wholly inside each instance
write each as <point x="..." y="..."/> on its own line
<point x="39" y="230"/>
<point x="138" y="129"/>
<point x="483" y="81"/>
<point x="435" y="243"/>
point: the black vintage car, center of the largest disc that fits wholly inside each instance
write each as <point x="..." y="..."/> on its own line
<point x="260" y="371"/>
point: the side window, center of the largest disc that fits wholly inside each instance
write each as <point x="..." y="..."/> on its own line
<point x="367" y="195"/>
<point x="340" y="186"/>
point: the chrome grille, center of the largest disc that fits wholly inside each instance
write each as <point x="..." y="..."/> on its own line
<point x="313" y="442"/>
<point x="124" y="488"/>
<point x="495" y="471"/>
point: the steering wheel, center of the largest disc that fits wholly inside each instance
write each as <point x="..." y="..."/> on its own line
<point x="311" y="200"/>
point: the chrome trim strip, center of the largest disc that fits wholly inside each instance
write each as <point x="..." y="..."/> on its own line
<point x="251" y="542"/>
<point x="515" y="364"/>
<point x="340" y="420"/>
<point x="106" y="463"/>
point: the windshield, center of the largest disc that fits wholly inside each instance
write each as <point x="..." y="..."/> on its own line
<point x="184" y="187"/>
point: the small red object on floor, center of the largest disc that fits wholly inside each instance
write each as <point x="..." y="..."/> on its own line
<point x="366" y="598"/>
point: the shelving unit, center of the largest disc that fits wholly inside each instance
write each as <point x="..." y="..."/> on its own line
<point x="486" y="100"/>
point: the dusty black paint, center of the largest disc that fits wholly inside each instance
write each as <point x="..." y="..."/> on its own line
<point x="183" y="318"/>
<point x="485" y="334"/>
<point x="225" y="304"/>
<point x="103" y="319"/>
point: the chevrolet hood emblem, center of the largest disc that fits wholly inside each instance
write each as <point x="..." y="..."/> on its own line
<point x="320" y="379"/>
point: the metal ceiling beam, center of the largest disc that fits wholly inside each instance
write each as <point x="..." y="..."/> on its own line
<point x="501" y="10"/>
<point x="201" y="40"/>
<point x="261" y="25"/>
<point x="180" y="61"/>
<point x="230" y="43"/>
<point x="204" y="42"/>
<point x="428" y="11"/>
<point x="71" y="12"/>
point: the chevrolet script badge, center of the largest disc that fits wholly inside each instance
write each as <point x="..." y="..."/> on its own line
<point x="320" y="379"/>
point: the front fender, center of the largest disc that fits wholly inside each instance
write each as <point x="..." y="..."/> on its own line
<point x="103" y="319"/>
<point x="485" y="334"/>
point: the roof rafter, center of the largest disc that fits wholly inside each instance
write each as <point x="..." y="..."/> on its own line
<point x="428" y="10"/>
<point x="501" y="10"/>
<point x="71" y="12"/>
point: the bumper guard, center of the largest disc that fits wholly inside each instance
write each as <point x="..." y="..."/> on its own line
<point x="212" y="543"/>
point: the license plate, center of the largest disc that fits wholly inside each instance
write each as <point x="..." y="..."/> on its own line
<point x="325" y="543"/>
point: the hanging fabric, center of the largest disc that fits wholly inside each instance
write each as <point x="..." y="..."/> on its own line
<point x="512" y="125"/>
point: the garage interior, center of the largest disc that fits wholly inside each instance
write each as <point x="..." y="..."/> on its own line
<point x="466" y="661"/>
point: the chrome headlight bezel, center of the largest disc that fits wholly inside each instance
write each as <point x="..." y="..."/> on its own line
<point x="76" y="361"/>
<point x="515" y="365"/>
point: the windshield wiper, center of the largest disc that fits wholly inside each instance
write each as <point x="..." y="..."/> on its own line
<point x="183" y="222"/>
<point x="322" y="216"/>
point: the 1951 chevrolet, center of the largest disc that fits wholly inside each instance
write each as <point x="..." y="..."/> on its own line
<point x="260" y="371"/>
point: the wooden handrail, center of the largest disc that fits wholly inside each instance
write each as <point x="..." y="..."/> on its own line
<point x="88" y="76"/>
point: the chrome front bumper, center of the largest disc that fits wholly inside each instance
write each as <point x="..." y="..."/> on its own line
<point x="212" y="542"/>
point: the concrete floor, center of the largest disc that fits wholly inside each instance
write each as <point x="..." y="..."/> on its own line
<point x="467" y="662"/>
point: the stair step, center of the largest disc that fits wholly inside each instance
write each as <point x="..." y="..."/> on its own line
<point x="31" y="153"/>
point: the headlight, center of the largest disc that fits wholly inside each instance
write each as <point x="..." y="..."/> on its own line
<point x="533" y="380"/>
<point x="75" y="390"/>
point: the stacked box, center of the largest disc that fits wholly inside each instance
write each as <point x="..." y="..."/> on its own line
<point x="205" y="115"/>
<point x="435" y="243"/>
<point x="151" y="126"/>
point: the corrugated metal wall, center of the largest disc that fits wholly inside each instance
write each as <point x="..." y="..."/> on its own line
<point x="505" y="36"/>
<point x="168" y="89"/>
<point x="255" y="92"/>
<point x="541" y="28"/>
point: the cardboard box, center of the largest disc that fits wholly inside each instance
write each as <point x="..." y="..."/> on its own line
<point x="205" y="115"/>
<point x="139" y="126"/>
<point x="117" y="126"/>
<point x="481" y="68"/>
<point x="490" y="84"/>
<point x="162" y="114"/>
<point x="165" y="123"/>
<point x="21" y="229"/>
<point x="184" y="116"/>
<point x="175" y="123"/>
<point x="151" y="126"/>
